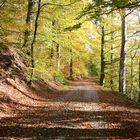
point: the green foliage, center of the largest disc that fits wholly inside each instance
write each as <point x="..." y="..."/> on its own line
<point x="59" y="77"/>
<point x="125" y="3"/>
<point x="74" y="27"/>
<point x="71" y="25"/>
<point x="92" y="69"/>
<point x="11" y="26"/>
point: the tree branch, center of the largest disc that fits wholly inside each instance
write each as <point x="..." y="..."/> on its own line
<point x="4" y="1"/>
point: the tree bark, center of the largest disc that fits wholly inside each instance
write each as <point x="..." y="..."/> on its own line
<point x="53" y="42"/>
<point x="102" y="71"/>
<point x="139" y="81"/>
<point x="111" y="61"/>
<point x="58" y="57"/>
<point x="71" y="64"/>
<point x="33" y="42"/>
<point x="122" y="72"/>
<point x="29" y="19"/>
<point x="51" y="52"/>
<point x="131" y="73"/>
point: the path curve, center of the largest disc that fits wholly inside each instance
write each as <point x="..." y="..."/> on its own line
<point x="80" y="113"/>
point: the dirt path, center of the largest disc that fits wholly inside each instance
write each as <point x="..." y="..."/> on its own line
<point x="81" y="113"/>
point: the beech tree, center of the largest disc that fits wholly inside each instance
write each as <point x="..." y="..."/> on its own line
<point x="29" y="18"/>
<point x="102" y="75"/>
<point x="33" y="42"/>
<point x="122" y="69"/>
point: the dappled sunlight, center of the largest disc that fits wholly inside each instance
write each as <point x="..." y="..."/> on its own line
<point x="70" y="123"/>
<point x="77" y="106"/>
<point x="74" y="114"/>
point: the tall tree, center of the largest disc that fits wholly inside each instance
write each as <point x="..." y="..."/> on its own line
<point x="33" y="42"/>
<point x="71" y="63"/>
<point x="122" y="74"/>
<point x="29" y="19"/>
<point x="102" y="71"/>
<point x="58" y="57"/>
<point x="111" y="61"/>
<point x="138" y="15"/>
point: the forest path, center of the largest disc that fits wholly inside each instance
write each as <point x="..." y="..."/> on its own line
<point x="83" y="112"/>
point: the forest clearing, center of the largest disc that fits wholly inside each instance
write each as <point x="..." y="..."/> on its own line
<point x="69" y="69"/>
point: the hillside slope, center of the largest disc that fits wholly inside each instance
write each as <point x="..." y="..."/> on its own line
<point x="14" y="90"/>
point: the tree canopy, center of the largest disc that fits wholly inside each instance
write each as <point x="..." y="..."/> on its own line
<point x="76" y="38"/>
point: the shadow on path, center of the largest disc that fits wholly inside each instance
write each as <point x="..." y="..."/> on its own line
<point x="73" y="115"/>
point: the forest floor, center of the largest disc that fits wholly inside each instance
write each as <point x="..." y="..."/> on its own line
<point x="85" y="111"/>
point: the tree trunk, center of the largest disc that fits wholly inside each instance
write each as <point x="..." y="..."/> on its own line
<point x="27" y="32"/>
<point x="71" y="64"/>
<point x="102" y="71"/>
<point x="131" y="73"/>
<point x="122" y="72"/>
<point x="53" y="42"/>
<point x="51" y="52"/>
<point x="58" y="57"/>
<point x="139" y="80"/>
<point x="111" y="60"/>
<point x="33" y="42"/>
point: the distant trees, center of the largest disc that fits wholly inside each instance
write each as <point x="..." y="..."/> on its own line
<point x="118" y="45"/>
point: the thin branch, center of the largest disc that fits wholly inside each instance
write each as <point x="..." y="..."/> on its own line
<point x="135" y="52"/>
<point x="114" y="61"/>
<point x="135" y="33"/>
<point x="112" y="32"/>
<point x="3" y="3"/>
<point x="131" y="12"/>
<point x="111" y="49"/>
